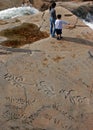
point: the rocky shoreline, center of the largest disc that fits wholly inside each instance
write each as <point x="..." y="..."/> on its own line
<point x="80" y="9"/>
<point x="47" y="84"/>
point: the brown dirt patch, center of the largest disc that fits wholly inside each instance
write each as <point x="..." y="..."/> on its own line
<point x="24" y="34"/>
<point x="58" y="58"/>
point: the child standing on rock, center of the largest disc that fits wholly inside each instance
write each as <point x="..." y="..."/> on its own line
<point x="58" y="26"/>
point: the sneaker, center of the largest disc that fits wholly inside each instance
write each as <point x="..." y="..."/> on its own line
<point x="61" y="37"/>
<point x="58" y="38"/>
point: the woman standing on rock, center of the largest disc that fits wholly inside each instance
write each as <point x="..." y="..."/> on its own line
<point x="52" y="19"/>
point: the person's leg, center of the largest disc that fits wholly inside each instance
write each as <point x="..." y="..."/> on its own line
<point x="60" y="33"/>
<point x="60" y="36"/>
<point x="56" y="31"/>
<point x="51" y="26"/>
<point x="53" y="31"/>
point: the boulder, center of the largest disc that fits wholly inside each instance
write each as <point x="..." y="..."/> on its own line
<point x="48" y="84"/>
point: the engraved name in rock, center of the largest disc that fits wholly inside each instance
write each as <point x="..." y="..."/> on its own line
<point x="14" y="80"/>
<point x="46" y="87"/>
<point x="73" y="98"/>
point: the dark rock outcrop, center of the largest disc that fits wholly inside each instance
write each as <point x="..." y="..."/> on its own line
<point x="83" y="11"/>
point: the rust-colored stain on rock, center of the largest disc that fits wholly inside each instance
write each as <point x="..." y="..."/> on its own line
<point x="24" y="34"/>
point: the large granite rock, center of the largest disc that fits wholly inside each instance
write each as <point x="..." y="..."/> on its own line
<point x="40" y="4"/>
<point x="48" y="85"/>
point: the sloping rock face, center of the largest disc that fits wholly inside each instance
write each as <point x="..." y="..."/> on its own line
<point x="48" y="85"/>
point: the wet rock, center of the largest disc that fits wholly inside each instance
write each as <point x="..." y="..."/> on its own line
<point x="83" y="11"/>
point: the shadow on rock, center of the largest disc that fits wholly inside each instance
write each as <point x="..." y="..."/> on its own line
<point x="78" y="40"/>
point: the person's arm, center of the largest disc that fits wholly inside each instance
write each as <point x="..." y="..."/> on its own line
<point x="65" y="22"/>
<point x="69" y="25"/>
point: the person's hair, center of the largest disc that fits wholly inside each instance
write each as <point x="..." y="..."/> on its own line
<point x="59" y="16"/>
<point x="53" y="5"/>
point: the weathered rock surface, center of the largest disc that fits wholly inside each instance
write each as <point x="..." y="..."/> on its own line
<point x="4" y="4"/>
<point x="48" y="85"/>
<point x="40" y="4"/>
